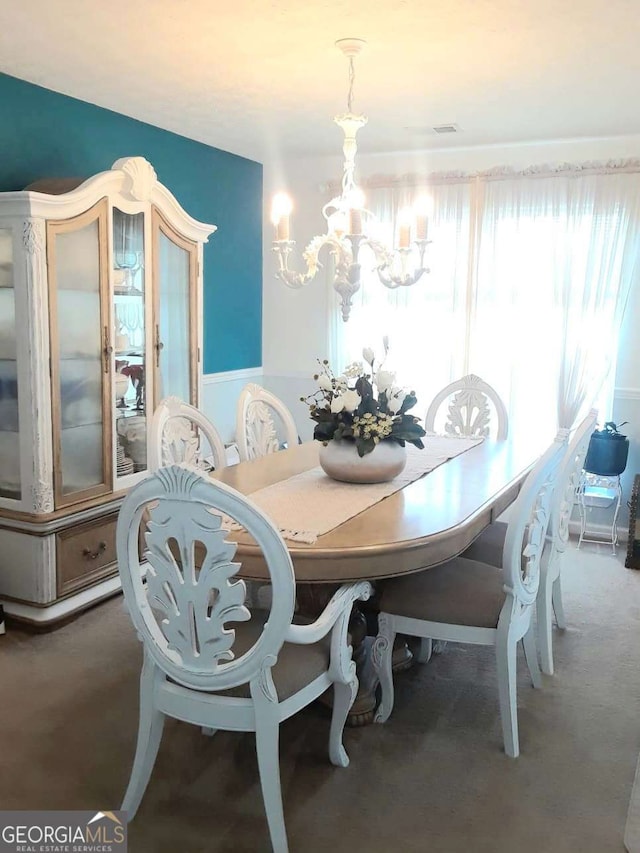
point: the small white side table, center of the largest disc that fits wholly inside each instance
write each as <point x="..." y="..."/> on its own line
<point x="595" y="490"/>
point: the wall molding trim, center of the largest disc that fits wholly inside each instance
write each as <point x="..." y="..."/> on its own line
<point x="232" y="375"/>
<point x="496" y="173"/>
<point x="626" y="393"/>
<point x="288" y="374"/>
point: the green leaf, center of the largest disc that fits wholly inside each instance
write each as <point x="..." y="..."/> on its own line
<point x="322" y="415"/>
<point x="364" y="388"/>
<point x="324" y="431"/>
<point x="409" y="402"/>
<point x="408" y="429"/>
<point x="365" y="445"/>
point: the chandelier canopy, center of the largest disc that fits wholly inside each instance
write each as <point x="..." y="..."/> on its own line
<point x="349" y="224"/>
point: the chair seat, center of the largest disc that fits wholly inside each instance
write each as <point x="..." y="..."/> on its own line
<point x="487" y="548"/>
<point x="459" y="592"/>
<point x="296" y="666"/>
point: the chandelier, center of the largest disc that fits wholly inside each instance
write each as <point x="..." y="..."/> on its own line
<point x="350" y="226"/>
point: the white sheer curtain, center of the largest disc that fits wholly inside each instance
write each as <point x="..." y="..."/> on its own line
<point x="529" y="280"/>
<point x="423" y="322"/>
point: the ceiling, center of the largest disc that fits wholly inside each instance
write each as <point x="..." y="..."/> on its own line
<point x="263" y="79"/>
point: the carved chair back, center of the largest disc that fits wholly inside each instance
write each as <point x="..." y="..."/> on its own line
<point x="469" y="412"/>
<point x="527" y="529"/>
<point x="185" y="608"/>
<point x="256" y="431"/>
<point x="176" y="436"/>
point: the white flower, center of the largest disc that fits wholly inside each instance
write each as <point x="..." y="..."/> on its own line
<point x="354" y="370"/>
<point x="342" y="381"/>
<point x="337" y="404"/>
<point x="369" y="355"/>
<point x="325" y="382"/>
<point x="385" y="380"/>
<point x="395" y="399"/>
<point x="351" y="400"/>
<point x="385" y="344"/>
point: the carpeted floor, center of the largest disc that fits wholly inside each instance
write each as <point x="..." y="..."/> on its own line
<point x="434" y="778"/>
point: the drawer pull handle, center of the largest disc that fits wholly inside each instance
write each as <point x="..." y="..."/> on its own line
<point x="88" y="554"/>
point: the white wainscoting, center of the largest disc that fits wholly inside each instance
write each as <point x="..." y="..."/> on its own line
<point x="289" y="387"/>
<point x="220" y="392"/>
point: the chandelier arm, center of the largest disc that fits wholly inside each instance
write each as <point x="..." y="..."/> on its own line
<point x="395" y="281"/>
<point x="346" y="280"/>
<point x="291" y="278"/>
<point x="403" y="278"/>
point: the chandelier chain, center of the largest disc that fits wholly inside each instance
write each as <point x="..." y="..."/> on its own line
<point x="352" y="77"/>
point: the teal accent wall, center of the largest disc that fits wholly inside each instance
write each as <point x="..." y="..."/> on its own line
<point x="45" y="134"/>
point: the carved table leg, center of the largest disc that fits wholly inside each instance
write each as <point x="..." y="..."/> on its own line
<point x="311" y="600"/>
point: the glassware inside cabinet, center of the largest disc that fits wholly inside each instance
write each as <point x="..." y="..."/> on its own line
<point x="129" y="385"/>
<point x="9" y="444"/>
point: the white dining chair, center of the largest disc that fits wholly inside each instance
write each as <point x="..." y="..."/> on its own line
<point x="177" y="429"/>
<point x="256" y="430"/>
<point x="208" y="659"/>
<point x="466" y="601"/>
<point x="489" y="545"/>
<point x="469" y="409"/>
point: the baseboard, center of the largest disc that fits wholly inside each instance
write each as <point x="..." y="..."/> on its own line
<point x="599" y="531"/>
<point x="53" y="613"/>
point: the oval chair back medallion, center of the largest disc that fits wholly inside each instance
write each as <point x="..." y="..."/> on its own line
<point x="186" y="608"/>
<point x="256" y="431"/>
<point x="177" y="433"/>
<point x="469" y="413"/>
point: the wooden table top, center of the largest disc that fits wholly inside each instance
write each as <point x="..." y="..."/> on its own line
<point x="426" y="523"/>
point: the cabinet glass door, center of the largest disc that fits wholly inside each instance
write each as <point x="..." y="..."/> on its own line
<point x="9" y="444"/>
<point x="129" y="386"/>
<point x="175" y="339"/>
<point x="80" y="355"/>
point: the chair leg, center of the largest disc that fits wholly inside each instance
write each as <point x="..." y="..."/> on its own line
<point x="150" y="729"/>
<point x="531" y="656"/>
<point x="267" y="749"/>
<point x="343" y="697"/>
<point x="425" y="648"/>
<point x="558" y="608"/>
<point x="506" y="665"/>
<point x="544" y="626"/>
<point x="382" y="660"/>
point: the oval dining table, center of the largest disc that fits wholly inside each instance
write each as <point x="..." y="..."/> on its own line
<point x="427" y="522"/>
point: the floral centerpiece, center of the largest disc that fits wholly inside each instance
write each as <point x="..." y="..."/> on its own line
<point x="363" y="407"/>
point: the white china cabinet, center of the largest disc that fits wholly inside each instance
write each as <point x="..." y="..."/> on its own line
<point x="100" y="318"/>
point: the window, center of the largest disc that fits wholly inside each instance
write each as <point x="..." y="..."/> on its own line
<point x="529" y="277"/>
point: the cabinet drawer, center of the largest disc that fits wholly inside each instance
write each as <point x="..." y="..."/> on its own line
<point x="85" y="554"/>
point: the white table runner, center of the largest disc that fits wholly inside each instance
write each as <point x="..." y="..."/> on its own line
<point x="309" y="504"/>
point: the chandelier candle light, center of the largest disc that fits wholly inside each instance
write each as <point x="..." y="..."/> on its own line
<point x="349" y="224"/>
